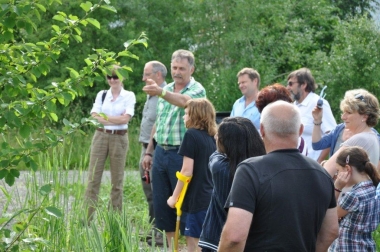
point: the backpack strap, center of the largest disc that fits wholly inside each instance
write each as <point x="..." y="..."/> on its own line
<point x="104" y="95"/>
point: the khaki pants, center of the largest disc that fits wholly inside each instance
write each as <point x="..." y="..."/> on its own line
<point x="115" y="147"/>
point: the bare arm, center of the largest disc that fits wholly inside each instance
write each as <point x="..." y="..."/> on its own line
<point x="176" y="99"/>
<point x="187" y="170"/>
<point x="329" y="231"/>
<point x="324" y="154"/>
<point x="330" y="164"/>
<point x="317" y="132"/>
<point x="236" y="229"/>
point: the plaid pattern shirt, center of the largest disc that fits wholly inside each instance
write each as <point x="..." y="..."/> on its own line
<point x="362" y="219"/>
<point x="170" y="128"/>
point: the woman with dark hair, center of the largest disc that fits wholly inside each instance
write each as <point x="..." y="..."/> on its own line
<point x="276" y="92"/>
<point x="358" y="209"/>
<point x="236" y="140"/>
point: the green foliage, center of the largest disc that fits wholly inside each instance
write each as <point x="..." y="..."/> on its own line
<point x="42" y="227"/>
<point x="29" y="107"/>
<point x="14" y="239"/>
<point x="376" y="237"/>
<point x="354" y="61"/>
<point x="355" y="8"/>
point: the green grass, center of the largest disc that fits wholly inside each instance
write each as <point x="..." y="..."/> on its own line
<point x="51" y="218"/>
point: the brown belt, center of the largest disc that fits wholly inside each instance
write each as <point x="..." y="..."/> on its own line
<point x="117" y="132"/>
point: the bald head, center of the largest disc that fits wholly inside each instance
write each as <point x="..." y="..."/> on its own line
<point x="281" y="120"/>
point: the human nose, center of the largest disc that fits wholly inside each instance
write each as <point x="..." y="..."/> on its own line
<point x="343" y="116"/>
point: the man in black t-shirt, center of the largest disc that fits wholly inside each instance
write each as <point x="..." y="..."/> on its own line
<point x="282" y="201"/>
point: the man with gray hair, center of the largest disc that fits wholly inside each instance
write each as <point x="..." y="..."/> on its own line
<point x="282" y="200"/>
<point x="169" y="131"/>
<point x="157" y="72"/>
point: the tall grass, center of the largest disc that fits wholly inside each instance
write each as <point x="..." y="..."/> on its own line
<point x="55" y="221"/>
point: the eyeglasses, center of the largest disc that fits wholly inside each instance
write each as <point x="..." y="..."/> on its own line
<point x="359" y="97"/>
<point x="115" y="77"/>
<point x="148" y="74"/>
<point x="290" y="83"/>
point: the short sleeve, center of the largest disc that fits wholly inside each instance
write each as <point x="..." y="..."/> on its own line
<point x="349" y="202"/>
<point x="244" y="189"/>
<point x="188" y="145"/>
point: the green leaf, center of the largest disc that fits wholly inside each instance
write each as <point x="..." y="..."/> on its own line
<point x="53" y="211"/>
<point x="66" y="122"/>
<point x="29" y="27"/>
<point x="10" y="179"/>
<point x="94" y="22"/>
<point x="88" y="62"/>
<point x="78" y="38"/>
<point x="78" y="31"/>
<point x="15" y="173"/>
<point x="56" y="28"/>
<point x="59" y="18"/>
<point x="103" y="115"/>
<point x="45" y="190"/>
<point x="7" y="36"/>
<point x="33" y="165"/>
<point x="86" y="6"/>
<point x="10" y="22"/>
<point x="25" y="130"/>
<point x="73" y="73"/>
<point x="41" y="7"/>
<point x="54" y="117"/>
<point x="3" y="173"/>
<point x="109" y="7"/>
<point x="20" y="24"/>
<point x="128" y="54"/>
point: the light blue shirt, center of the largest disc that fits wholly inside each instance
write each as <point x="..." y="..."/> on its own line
<point x="251" y="112"/>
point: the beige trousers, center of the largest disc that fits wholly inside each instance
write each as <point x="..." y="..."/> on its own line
<point x="115" y="147"/>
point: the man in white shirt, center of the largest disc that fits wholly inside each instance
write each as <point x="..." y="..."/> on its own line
<point x="302" y="85"/>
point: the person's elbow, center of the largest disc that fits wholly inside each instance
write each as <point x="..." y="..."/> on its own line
<point x="125" y="119"/>
<point x="328" y="237"/>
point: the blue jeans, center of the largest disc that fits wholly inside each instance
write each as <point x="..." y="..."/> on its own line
<point x="165" y="165"/>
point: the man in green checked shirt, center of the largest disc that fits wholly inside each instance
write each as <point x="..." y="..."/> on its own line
<point x="168" y="132"/>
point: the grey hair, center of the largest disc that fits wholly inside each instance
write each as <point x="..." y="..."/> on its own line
<point x="281" y="119"/>
<point x="159" y="67"/>
<point x="184" y="54"/>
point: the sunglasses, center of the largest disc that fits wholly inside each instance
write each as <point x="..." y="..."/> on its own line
<point x="115" y="77"/>
<point x="290" y="83"/>
<point x="359" y="97"/>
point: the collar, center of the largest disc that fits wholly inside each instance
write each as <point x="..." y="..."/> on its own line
<point x="242" y="99"/>
<point x="123" y="93"/>
<point x="306" y="101"/>
<point x="191" y="82"/>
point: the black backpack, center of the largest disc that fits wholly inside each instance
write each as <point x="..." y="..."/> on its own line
<point x="104" y="95"/>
